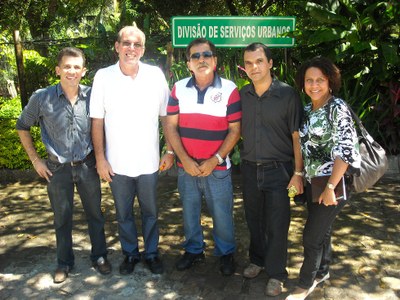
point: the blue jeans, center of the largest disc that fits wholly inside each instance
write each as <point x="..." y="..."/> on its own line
<point x="124" y="190"/>
<point x="218" y="193"/>
<point x="267" y="210"/>
<point x="61" y="194"/>
<point x="317" y="239"/>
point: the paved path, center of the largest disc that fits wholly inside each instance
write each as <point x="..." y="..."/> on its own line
<point x="366" y="244"/>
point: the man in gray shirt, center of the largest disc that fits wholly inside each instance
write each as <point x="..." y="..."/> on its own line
<point x="62" y="112"/>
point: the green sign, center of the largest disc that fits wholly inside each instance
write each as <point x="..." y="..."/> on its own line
<point x="233" y="31"/>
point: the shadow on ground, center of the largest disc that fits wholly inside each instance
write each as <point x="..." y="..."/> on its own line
<point x="366" y="243"/>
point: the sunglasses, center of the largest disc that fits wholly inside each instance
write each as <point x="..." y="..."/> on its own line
<point x="205" y="54"/>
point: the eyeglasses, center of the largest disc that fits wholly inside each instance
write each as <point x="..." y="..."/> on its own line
<point x="134" y="45"/>
<point x="317" y="81"/>
<point x="205" y="54"/>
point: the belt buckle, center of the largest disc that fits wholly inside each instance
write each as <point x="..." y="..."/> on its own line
<point x="76" y="163"/>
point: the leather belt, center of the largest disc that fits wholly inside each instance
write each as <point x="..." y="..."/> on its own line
<point x="79" y="162"/>
<point x="269" y="164"/>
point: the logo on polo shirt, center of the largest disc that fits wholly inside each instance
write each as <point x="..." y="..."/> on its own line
<point x="216" y="98"/>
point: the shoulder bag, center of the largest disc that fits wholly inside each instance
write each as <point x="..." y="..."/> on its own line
<point x="374" y="162"/>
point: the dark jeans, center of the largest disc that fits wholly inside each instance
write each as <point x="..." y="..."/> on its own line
<point x="317" y="240"/>
<point x="61" y="194"/>
<point x="267" y="209"/>
<point x="124" y="190"/>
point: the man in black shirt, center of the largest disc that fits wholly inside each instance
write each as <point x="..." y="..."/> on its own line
<point x="271" y="162"/>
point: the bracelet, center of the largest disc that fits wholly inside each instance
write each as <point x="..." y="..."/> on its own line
<point x="298" y="173"/>
<point x="170" y="152"/>
<point x="33" y="161"/>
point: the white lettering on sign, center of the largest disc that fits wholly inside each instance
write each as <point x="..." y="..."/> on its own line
<point x="237" y="32"/>
<point x="231" y="32"/>
<point x="271" y="31"/>
<point x="193" y="32"/>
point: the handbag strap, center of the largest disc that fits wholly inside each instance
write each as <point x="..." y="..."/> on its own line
<point x="360" y="125"/>
<point x="358" y="122"/>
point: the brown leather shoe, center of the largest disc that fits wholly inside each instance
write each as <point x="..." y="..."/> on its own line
<point x="252" y="271"/>
<point x="61" y="274"/>
<point x="102" y="265"/>
<point x="274" y="287"/>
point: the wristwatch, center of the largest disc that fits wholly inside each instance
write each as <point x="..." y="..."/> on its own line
<point x="220" y="159"/>
<point x="330" y="186"/>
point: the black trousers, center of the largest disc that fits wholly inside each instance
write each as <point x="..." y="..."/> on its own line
<point x="317" y="240"/>
<point x="267" y="210"/>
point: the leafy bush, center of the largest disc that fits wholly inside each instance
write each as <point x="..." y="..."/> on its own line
<point x="7" y="66"/>
<point x="12" y="154"/>
<point x="39" y="71"/>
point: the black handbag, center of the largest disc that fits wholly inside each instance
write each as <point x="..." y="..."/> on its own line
<point x="374" y="162"/>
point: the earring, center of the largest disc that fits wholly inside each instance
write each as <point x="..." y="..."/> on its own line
<point x="302" y="90"/>
<point x="330" y="91"/>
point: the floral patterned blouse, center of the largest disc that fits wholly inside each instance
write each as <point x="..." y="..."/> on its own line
<point x="326" y="133"/>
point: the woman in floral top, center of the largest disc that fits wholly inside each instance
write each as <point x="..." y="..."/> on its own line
<point x="329" y="146"/>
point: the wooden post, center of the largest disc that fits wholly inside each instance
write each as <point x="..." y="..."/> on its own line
<point x="20" y="67"/>
<point x="170" y="60"/>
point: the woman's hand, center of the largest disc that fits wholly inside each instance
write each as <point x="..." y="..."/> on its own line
<point x="328" y="197"/>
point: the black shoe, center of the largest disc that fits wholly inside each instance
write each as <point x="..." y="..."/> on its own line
<point x="102" y="265"/>
<point x="227" y="264"/>
<point x="155" y="265"/>
<point x="128" y="265"/>
<point x="188" y="259"/>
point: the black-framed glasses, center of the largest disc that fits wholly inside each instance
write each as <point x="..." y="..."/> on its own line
<point x="134" y="45"/>
<point x="205" y="54"/>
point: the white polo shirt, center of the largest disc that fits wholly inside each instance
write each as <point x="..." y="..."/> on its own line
<point x="131" y="109"/>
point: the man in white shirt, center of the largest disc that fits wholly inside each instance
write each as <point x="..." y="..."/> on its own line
<point x="127" y="101"/>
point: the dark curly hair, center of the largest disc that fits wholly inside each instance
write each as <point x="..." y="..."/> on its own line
<point x="327" y="67"/>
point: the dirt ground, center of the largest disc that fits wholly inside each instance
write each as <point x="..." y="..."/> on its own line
<point x="366" y="243"/>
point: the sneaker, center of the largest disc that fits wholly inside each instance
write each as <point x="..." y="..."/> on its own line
<point x="155" y="265"/>
<point x="322" y="279"/>
<point x="188" y="259"/>
<point x="300" y="293"/>
<point x="252" y="271"/>
<point x="128" y="265"/>
<point x="274" y="287"/>
<point x="102" y="265"/>
<point x="61" y="274"/>
<point x="227" y="264"/>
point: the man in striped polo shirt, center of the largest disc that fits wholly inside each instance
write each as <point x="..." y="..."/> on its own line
<point x="203" y="125"/>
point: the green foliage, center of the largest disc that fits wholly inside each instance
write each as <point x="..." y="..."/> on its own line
<point x="7" y="64"/>
<point x="12" y="154"/>
<point x="39" y="71"/>
<point x="387" y="114"/>
<point x="235" y="154"/>
<point x="10" y="108"/>
<point x="178" y="71"/>
<point x="361" y="37"/>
